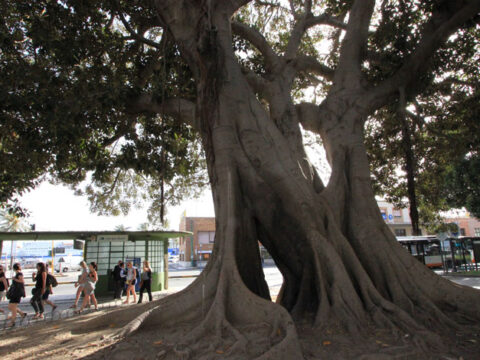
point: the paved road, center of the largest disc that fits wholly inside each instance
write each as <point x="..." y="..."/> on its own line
<point x="64" y="294"/>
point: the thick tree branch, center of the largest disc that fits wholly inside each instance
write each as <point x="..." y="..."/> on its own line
<point x="256" y="82"/>
<point x="305" y="63"/>
<point x="354" y="43"/>
<point x="308" y="116"/>
<point x="181" y="109"/>
<point x="325" y="19"/>
<point x="435" y="33"/>
<point x="305" y="22"/>
<point x="258" y="40"/>
<point x="232" y="5"/>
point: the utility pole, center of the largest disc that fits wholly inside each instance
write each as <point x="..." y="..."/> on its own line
<point x="52" y="269"/>
<point x="11" y="260"/>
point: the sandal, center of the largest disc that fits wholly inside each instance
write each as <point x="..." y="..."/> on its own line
<point x="23" y="315"/>
<point x="77" y="312"/>
<point x="72" y="307"/>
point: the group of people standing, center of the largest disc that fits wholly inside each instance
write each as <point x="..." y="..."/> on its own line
<point x="125" y="280"/>
<point x="16" y="290"/>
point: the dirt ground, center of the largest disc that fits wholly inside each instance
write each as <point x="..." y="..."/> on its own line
<point x="93" y="336"/>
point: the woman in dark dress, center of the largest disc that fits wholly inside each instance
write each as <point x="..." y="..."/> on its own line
<point x="40" y="279"/>
<point x="18" y="292"/>
<point x="3" y="286"/>
<point x="146" y="281"/>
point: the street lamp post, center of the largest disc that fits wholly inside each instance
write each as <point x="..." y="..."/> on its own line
<point x="193" y="261"/>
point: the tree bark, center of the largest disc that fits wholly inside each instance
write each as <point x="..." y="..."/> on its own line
<point x="341" y="265"/>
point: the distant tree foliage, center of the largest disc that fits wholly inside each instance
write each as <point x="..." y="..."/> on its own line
<point x="438" y="129"/>
<point x="50" y="58"/>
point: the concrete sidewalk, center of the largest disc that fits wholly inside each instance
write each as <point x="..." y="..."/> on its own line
<point x="63" y="310"/>
<point x="473" y="281"/>
<point x="180" y="280"/>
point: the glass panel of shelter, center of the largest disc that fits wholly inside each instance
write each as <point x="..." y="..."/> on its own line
<point x="107" y="254"/>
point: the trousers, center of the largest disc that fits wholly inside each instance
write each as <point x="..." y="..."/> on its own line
<point x="36" y="301"/>
<point x="146" y="285"/>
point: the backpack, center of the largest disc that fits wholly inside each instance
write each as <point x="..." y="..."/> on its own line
<point x="12" y="291"/>
<point x="51" y="280"/>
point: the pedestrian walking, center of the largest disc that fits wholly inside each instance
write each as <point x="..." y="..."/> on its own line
<point x="3" y="286"/>
<point x="146" y="281"/>
<point x="89" y="287"/>
<point x="131" y="280"/>
<point x="16" y="292"/>
<point x="40" y="279"/>
<point x="49" y="291"/>
<point x="118" y="279"/>
<point x="82" y="278"/>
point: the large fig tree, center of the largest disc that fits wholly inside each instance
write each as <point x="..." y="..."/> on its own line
<point x="343" y="270"/>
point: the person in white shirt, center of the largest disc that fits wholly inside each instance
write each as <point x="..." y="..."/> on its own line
<point x="131" y="280"/>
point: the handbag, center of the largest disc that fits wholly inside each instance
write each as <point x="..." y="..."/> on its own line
<point x="10" y="292"/>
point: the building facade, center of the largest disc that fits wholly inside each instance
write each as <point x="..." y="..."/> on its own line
<point x="196" y="248"/>
<point x="398" y="220"/>
<point x="467" y="225"/>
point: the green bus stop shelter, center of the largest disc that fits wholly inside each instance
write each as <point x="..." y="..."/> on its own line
<point x="106" y="248"/>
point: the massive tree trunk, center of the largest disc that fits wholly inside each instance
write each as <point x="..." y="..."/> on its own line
<point x="342" y="267"/>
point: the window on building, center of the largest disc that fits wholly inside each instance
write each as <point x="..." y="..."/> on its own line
<point x="462" y="231"/>
<point x="206" y="237"/>
<point x="400" y="232"/>
<point x="397" y="213"/>
<point x="477" y="231"/>
<point x="57" y="250"/>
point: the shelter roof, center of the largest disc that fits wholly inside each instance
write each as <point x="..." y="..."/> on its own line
<point x="92" y="235"/>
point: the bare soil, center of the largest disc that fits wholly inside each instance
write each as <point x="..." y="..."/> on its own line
<point x="95" y="336"/>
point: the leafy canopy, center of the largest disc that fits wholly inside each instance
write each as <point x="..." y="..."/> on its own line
<point x="76" y="78"/>
<point x="70" y="81"/>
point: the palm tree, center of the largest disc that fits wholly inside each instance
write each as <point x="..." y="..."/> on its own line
<point x="143" y="227"/>
<point x="122" y="227"/>
<point x="11" y="222"/>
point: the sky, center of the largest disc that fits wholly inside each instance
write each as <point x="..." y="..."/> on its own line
<point x="56" y="208"/>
